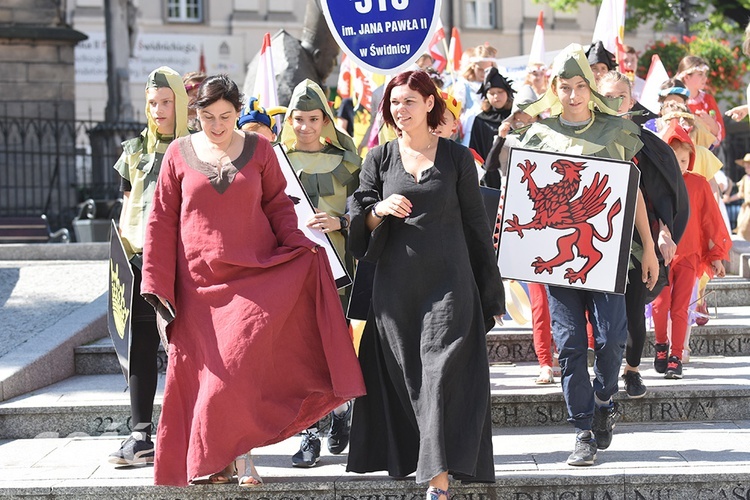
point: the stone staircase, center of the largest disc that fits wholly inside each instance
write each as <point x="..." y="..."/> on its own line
<point x="686" y="438"/>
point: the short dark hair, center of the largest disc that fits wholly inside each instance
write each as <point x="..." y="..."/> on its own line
<point x="215" y="88"/>
<point x="419" y="81"/>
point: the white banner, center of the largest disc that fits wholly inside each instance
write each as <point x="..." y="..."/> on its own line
<point x="222" y="54"/>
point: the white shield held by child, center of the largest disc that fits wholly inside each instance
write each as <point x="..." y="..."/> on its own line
<point x="568" y="220"/>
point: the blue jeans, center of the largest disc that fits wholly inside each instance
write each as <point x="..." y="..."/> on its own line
<point x="607" y="315"/>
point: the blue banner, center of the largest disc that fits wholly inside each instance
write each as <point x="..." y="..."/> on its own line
<point x="384" y="36"/>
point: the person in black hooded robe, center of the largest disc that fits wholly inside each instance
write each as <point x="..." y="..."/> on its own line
<point x="497" y="103"/>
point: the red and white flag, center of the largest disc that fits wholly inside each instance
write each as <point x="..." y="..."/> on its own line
<point x="265" y="79"/>
<point x="610" y="27"/>
<point x="344" y="84"/>
<point x="355" y="83"/>
<point x="455" y="51"/>
<point x="536" y="54"/>
<point x="657" y="74"/>
<point x="202" y="62"/>
<point x="434" y="48"/>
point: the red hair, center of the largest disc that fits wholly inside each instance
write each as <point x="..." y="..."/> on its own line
<point x="418" y="81"/>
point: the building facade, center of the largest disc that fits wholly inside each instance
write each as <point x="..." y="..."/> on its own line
<point x="226" y="35"/>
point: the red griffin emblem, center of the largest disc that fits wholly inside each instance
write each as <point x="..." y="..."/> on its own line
<point x="556" y="207"/>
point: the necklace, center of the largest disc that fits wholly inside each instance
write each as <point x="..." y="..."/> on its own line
<point x="415" y="153"/>
<point x="220" y="158"/>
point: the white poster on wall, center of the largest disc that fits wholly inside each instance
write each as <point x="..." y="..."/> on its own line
<point x="183" y="53"/>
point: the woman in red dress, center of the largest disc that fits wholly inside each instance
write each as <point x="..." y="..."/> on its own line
<point x="252" y="309"/>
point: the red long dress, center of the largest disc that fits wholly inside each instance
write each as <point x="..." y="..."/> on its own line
<point x="259" y="348"/>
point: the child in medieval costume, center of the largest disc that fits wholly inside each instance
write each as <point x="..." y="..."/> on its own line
<point x="255" y="118"/>
<point x="704" y="245"/>
<point x="743" y="193"/>
<point x="667" y="207"/>
<point x="497" y="102"/>
<point x="584" y="122"/>
<point x="327" y="163"/>
<point x="139" y="166"/>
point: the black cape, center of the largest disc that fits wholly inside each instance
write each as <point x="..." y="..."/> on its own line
<point x="484" y="130"/>
<point x="662" y="184"/>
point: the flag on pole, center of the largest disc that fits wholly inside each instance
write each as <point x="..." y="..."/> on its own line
<point x="344" y="84"/>
<point x="536" y="54"/>
<point x="434" y="48"/>
<point x="265" y="80"/>
<point x="355" y="83"/>
<point x="202" y="62"/>
<point x="610" y="27"/>
<point x="657" y="75"/>
<point x="455" y="51"/>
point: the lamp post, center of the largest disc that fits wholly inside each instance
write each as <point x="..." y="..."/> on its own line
<point x="682" y="9"/>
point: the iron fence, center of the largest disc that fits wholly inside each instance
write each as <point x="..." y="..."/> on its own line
<point x="50" y="166"/>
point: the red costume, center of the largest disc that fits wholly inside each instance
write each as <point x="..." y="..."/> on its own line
<point x="693" y="256"/>
<point x="258" y="348"/>
<point x="706" y="102"/>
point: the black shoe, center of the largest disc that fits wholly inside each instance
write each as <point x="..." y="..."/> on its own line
<point x="660" y="358"/>
<point x="133" y="452"/>
<point x="309" y="451"/>
<point x="604" y="421"/>
<point x="674" y="368"/>
<point x="585" y="450"/>
<point x="634" y="385"/>
<point x="338" y="439"/>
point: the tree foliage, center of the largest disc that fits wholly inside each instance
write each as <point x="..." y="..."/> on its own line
<point x="686" y="15"/>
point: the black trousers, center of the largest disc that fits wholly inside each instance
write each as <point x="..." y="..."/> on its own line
<point x="635" y="308"/>
<point x="144" y="348"/>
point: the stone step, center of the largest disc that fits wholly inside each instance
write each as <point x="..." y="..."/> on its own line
<point x="714" y="388"/>
<point x="707" y="460"/>
<point x="517" y="345"/>
<point x="730" y="291"/>
<point x="99" y="358"/>
<point x="726" y="334"/>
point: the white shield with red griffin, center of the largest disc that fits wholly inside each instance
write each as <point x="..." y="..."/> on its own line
<point x="568" y="220"/>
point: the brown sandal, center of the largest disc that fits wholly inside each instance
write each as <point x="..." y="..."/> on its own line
<point x="222" y="477"/>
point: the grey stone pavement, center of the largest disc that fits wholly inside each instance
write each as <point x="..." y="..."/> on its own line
<point x="715" y="453"/>
<point x="36" y="295"/>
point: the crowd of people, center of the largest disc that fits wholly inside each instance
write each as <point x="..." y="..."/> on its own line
<point x="259" y="347"/>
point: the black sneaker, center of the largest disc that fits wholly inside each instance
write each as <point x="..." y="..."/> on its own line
<point x="309" y="451"/>
<point x="674" y="368"/>
<point x="634" y="384"/>
<point x="585" y="450"/>
<point x="133" y="452"/>
<point x="604" y="421"/>
<point x="660" y="358"/>
<point x="338" y="439"/>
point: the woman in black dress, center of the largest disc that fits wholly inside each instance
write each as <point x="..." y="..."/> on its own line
<point x="418" y="214"/>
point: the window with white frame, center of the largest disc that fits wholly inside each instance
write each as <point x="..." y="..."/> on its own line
<point x="479" y="13"/>
<point x="185" y="11"/>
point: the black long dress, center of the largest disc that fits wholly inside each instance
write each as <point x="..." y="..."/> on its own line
<point x="423" y="351"/>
